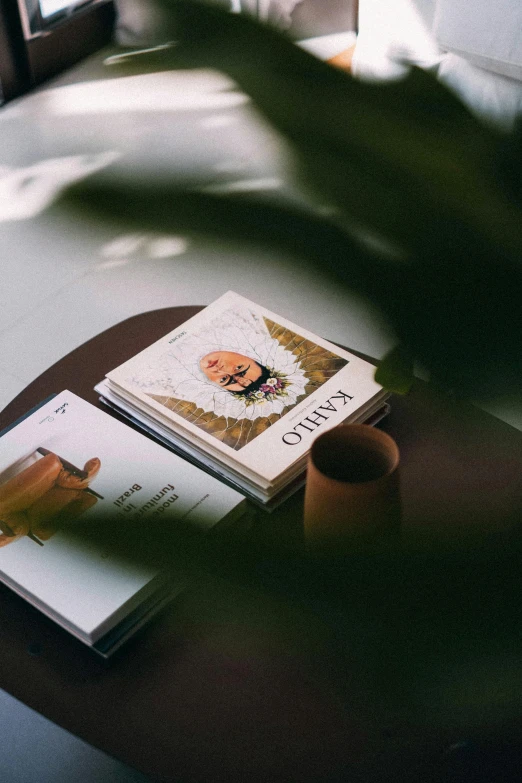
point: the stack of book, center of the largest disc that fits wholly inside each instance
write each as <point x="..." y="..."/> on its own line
<point x="242" y="393"/>
<point x="236" y="390"/>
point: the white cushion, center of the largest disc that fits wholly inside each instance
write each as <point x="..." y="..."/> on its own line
<point x="493" y="98"/>
<point x="487" y="33"/>
<point x="392" y="33"/>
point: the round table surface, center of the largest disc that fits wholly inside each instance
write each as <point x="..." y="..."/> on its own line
<point x="275" y="680"/>
<point x="457" y="463"/>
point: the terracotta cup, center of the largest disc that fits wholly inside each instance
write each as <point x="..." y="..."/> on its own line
<point x="352" y="490"/>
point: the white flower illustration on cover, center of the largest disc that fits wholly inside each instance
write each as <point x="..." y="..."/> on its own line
<point x="266" y="379"/>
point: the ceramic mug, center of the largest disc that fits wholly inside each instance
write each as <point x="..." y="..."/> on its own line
<point x="352" y="491"/>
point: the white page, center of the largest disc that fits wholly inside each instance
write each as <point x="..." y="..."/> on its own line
<point x="76" y="581"/>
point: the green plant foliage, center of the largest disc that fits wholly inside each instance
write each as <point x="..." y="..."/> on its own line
<point x="405" y="162"/>
<point x="395" y="371"/>
<point x="431" y="639"/>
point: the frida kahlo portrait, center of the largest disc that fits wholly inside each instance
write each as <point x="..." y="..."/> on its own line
<point x="236" y="375"/>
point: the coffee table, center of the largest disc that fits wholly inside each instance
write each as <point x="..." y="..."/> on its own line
<point x="310" y="669"/>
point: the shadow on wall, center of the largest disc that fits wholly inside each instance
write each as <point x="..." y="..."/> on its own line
<point x="323" y="17"/>
<point x="138" y="21"/>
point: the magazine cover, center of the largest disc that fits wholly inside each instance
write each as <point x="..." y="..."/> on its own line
<point x="63" y="464"/>
<point x="245" y="379"/>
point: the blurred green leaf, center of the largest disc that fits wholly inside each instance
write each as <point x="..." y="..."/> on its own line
<point x="406" y="161"/>
<point x="430" y="633"/>
<point x="448" y="317"/>
<point x="406" y="158"/>
<point x="395" y="371"/>
<point x="509" y="163"/>
<point x="164" y="208"/>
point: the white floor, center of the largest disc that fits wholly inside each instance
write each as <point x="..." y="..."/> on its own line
<point x="63" y="281"/>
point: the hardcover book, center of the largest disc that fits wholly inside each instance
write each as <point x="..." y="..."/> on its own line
<point x="243" y="392"/>
<point x="68" y="464"/>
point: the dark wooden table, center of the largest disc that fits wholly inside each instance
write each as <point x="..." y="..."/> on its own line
<point x="401" y="667"/>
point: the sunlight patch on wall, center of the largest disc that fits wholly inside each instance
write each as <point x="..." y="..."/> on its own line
<point x="155" y="92"/>
<point x="123" y="245"/>
<point x="167" y="247"/>
<point x="120" y="250"/>
<point x="218" y="121"/>
<point x="246" y="185"/>
<point x="25" y="192"/>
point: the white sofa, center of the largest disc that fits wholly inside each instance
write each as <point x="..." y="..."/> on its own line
<point x="474" y="46"/>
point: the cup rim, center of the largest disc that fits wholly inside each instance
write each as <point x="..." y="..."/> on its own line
<point x="362" y="432"/>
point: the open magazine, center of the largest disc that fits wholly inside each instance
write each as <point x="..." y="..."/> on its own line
<point x="243" y="392"/>
<point x="68" y="464"/>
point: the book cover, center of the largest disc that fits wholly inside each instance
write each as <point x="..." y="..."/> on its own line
<point x="63" y="465"/>
<point x="247" y="385"/>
